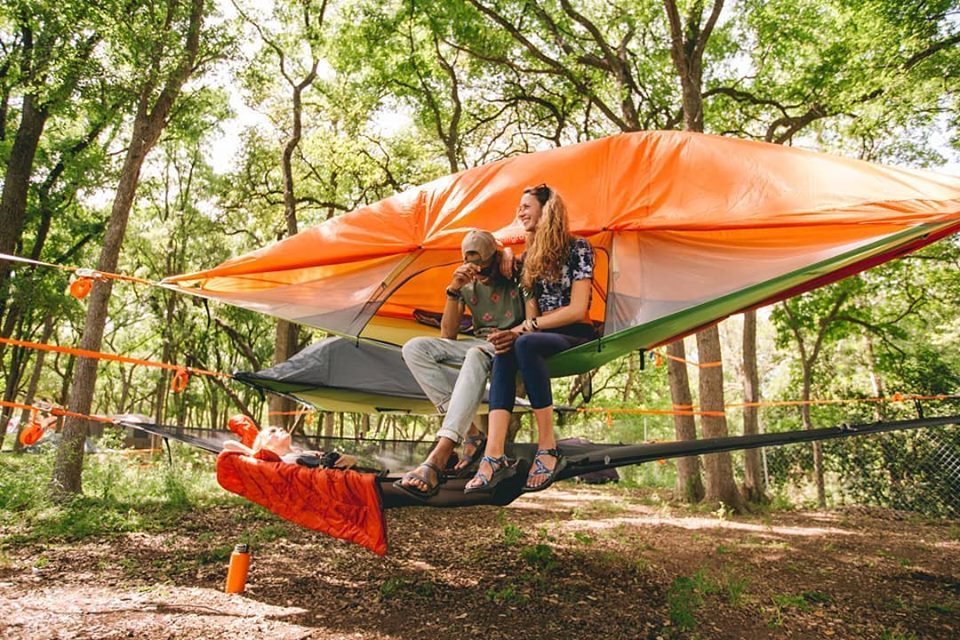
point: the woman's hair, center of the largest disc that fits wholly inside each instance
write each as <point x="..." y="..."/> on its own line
<point x="551" y="240"/>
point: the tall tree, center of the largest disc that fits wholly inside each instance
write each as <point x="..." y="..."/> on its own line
<point x="810" y="320"/>
<point x="299" y="72"/>
<point x="688" y="39"/>
<point x="308" y="17"/>
<point x="53" y="45"/>
<point x="754" y="487"/>
<point x="689" y="483"/>
<point x="167" y="48"/>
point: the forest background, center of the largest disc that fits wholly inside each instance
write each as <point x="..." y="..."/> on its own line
<point x="163" y="136"/>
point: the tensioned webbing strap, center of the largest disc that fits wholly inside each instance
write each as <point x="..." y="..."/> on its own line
<point x="99" y="355"/>
<point x="80" y="271"/>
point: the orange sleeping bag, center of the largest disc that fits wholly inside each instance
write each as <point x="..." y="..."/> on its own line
<point x="343" y="504"/>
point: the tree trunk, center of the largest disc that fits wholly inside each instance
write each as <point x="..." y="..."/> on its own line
<point x="632" y="358"/>
<point x="31" y="386"/>
<point x="817" y="446"/>
<point x="284" y="348"/>
<point x="753" y="486"/>
<point x="328" y="424"/>
<point x="166" y="353"/>
<point x="148" y="124"/>
<point x="17" y="365"/>
<point x="16" y="185"/>
<point x="718" y="467"/>
<point x="286" y="342"/>
<point x="876" y="380"/>
<point x="689" y="484"/>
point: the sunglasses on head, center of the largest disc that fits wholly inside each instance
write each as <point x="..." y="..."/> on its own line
<point x="541" y="192"/>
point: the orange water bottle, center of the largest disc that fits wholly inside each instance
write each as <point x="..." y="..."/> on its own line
<point x="239" y="566"/>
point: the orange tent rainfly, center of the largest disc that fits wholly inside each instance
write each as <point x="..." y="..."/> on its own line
<point x="688" y="229"/>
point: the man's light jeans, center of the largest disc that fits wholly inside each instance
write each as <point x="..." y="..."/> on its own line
<point x="433" y="362"/>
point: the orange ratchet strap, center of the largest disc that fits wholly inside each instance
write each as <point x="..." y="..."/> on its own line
<point x="180" y="377"/>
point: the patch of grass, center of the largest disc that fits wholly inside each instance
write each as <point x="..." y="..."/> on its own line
<point x="787" y="601"/>
<point x="734" y="589"/>
<point x="896" y="634"/>
<point x="723" y="549"/>
<point x="583" y="538"/>
<point x="682" y="604"/>
<point x="940" y="607"/>
<point x="816" y="597"/>
<point x="217" y="554"/>
<point x="780" y="502"/>
<point x="783" y="602"/>
<point x="130" y="566"/>
<point x="953" y="533"/>
<point x="512" y="534"/>
<point x="41" y="562"/>
<point x="600" y="509"/>
<point x="268" y="533"/>
<point x="704" y="584"/>
<point x="120" y="495"/>
<point x="396" y="585"/>
<point x="686" y="596"/>
<point x="392" y="587"/>
<point x="506" y="595"/>
<point x="539" y="556"/>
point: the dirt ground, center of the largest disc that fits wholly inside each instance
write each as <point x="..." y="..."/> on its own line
<point x="569" y="563"/>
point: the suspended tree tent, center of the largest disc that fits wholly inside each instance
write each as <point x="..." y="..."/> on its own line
<point x="688" y="229"/>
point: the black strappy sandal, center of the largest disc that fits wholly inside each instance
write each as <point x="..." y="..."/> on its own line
<point x="433" y="488"/>
<point x="479" y="443"/>
<point x="540" y="469"/>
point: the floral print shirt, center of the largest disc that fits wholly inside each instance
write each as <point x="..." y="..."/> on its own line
<point x="495" y="306"/>
<point x="579" y="266"/>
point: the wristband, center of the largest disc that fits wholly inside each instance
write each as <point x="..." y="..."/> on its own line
<point x="453" y="294"/>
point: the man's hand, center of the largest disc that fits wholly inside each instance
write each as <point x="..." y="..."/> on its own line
<point x="502" y="341"/>
<point x="465" y="274"/>
<point x="506" y="263"/>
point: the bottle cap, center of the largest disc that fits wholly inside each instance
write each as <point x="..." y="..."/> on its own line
<point x="242" y="548"/>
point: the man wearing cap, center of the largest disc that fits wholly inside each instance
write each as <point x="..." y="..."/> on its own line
<point x="495" y="303"/>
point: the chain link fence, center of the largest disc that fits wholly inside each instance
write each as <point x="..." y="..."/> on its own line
<point x="917" y="471"/>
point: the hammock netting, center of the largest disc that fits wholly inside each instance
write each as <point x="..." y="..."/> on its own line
<point x="388" y="459"/>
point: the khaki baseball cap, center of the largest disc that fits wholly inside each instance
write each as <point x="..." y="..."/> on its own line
<point x="481" y="242"/>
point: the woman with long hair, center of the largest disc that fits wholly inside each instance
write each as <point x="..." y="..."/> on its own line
<point x="557" y="280"/>
<point x="279" y="442"/>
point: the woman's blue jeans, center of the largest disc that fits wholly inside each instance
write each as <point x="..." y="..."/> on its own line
<point x="528" y="355"/>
